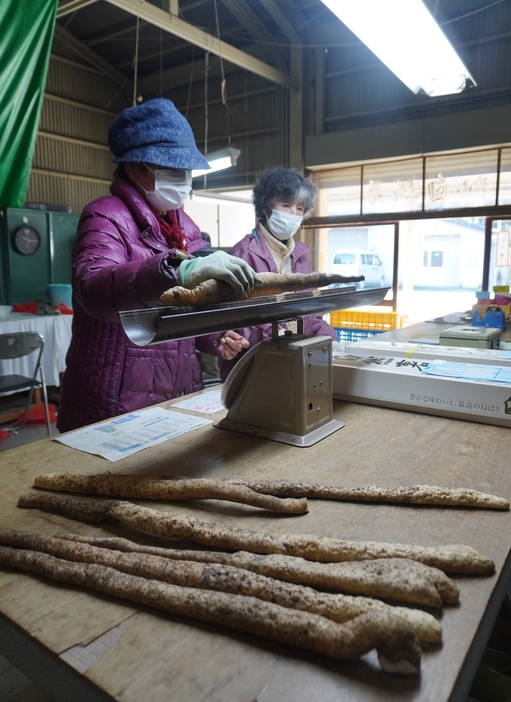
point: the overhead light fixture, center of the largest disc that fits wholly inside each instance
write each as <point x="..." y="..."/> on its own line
<point x="405" y="36"/>
<point x="218" y="160"/>
<point x="213" y="198"/>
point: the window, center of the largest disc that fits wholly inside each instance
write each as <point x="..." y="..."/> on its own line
<point x="437" y="258"/>
<point x="435" y="271"/>
<point x="439" y="182"/>
<point x="500" y="270"/>
<point x="359" y="250"/>
<point x="344" y="258"/>
<point x="434" y="264"/>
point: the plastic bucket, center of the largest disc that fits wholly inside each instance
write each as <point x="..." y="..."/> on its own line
<point x="58" y="293"/>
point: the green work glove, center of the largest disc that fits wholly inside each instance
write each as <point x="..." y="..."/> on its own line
<point x="220" y="266"/>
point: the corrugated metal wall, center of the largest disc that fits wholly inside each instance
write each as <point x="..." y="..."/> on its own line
<point x="72" y="164"/>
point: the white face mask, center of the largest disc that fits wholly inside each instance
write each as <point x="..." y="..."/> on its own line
<point x="171" y="189"/>
<point x="283" y="225"/>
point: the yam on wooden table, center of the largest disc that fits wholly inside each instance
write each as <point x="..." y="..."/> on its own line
<point x="141" y="487"/>
<point x="212" y="292"/>
<point x="276" y="495"/>
<point x="397" y="579"/>
<point x="409" y="494"/>
<point x="454" y="558"/>
<point x="392" y="636"/>
<point x="222" y="578"/>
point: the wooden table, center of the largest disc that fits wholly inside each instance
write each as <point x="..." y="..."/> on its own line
<point x="81" y="646"/>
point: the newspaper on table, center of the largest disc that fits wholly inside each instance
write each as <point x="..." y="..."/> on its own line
<point x="129" y="433"/>
<point x="207" y="402"/>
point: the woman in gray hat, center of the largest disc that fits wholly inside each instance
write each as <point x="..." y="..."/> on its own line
<point x="131" y="246"/>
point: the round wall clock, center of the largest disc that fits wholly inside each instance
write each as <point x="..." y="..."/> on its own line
<point x="26" y="240"/>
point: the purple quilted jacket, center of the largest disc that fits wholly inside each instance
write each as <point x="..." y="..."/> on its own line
<point x="121" y="261"/>
<point x="254" y="250"/>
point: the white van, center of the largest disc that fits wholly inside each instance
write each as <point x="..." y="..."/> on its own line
<point x="357" y="262"/>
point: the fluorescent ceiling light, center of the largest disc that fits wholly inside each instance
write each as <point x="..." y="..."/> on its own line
<point x="218" y="160"/>
<point x="405" y="36"/>
<point x="217" y="199"/>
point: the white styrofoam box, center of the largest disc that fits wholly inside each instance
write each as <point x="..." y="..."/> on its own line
<point x="402" y="349"/>
<point x="339" y="347"/>
<point x="400" y="383"/>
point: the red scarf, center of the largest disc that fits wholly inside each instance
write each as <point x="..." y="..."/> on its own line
<point x="172" y="231"/>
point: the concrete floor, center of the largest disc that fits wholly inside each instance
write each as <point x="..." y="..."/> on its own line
<point x="16" y="687"/>
<point x="30" y="432"/>
<point x="26" y="435"/>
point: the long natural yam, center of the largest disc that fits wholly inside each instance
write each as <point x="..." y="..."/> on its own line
<point x="392" y="636"/>
<point x="151" y="488"/>
<point x="410" y="494"/>
<point x="212" y="292"/>
<point x="222" y="578"/>
<point x="452" y="558"/>
<point x="397" y="579"/>
<point x="275" y="495"/>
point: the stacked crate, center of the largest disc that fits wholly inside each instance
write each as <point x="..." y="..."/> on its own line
<point x="353" y="325"/>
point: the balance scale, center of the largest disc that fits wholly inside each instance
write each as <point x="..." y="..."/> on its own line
<point x="282" y="388"/>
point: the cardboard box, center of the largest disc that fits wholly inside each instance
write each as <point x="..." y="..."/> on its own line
<point x="400" y="383"/>
<point x="408" y="349"/>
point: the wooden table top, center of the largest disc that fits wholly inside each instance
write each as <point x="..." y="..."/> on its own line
<point x="134" y="653"/>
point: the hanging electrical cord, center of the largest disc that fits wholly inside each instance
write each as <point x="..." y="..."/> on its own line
<point x="223" y="90"/>
<point x="161" y="64"/>
<point x="190" y="81"/>
<point x="246" y="131"/>
<point x="206" y="115"/>
<point x="135" y="63"/>
<point x="250" y="21"/>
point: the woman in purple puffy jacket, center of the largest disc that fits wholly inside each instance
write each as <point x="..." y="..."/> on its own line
<point x="131" y="246"/>
<point x="282" y="199"/>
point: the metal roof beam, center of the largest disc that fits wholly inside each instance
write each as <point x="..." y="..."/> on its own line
<point x="278" y="16"/>
<point x="89" y="55"/>
<point x="172" y="24"/>
<point x="182" y="74"/>
<point x="67" y="6"/>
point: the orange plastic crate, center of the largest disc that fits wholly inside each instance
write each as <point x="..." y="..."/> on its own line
<point x="372" y="321"/>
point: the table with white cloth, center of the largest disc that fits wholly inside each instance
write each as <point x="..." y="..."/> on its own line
<point x="56" y="331"/>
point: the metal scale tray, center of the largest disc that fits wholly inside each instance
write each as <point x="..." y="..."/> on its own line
<point x="297" y="372"/>
<point x="154" y="325"/>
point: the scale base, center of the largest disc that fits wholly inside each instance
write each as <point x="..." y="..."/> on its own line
<point x="283" y="437"/>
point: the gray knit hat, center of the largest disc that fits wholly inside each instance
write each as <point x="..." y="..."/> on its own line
<point x="154" y="132"/>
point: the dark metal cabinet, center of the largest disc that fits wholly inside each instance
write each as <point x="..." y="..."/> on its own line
<point x="62" y="230"/>
<point x="28" y="264"/>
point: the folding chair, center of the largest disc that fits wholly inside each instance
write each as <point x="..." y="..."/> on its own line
<point x="17" y="345"/>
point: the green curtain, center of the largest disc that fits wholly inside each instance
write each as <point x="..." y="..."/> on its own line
<point x="26" y="35"/>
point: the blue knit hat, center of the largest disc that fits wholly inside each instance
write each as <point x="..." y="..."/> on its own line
<point x="154" y="132"/>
